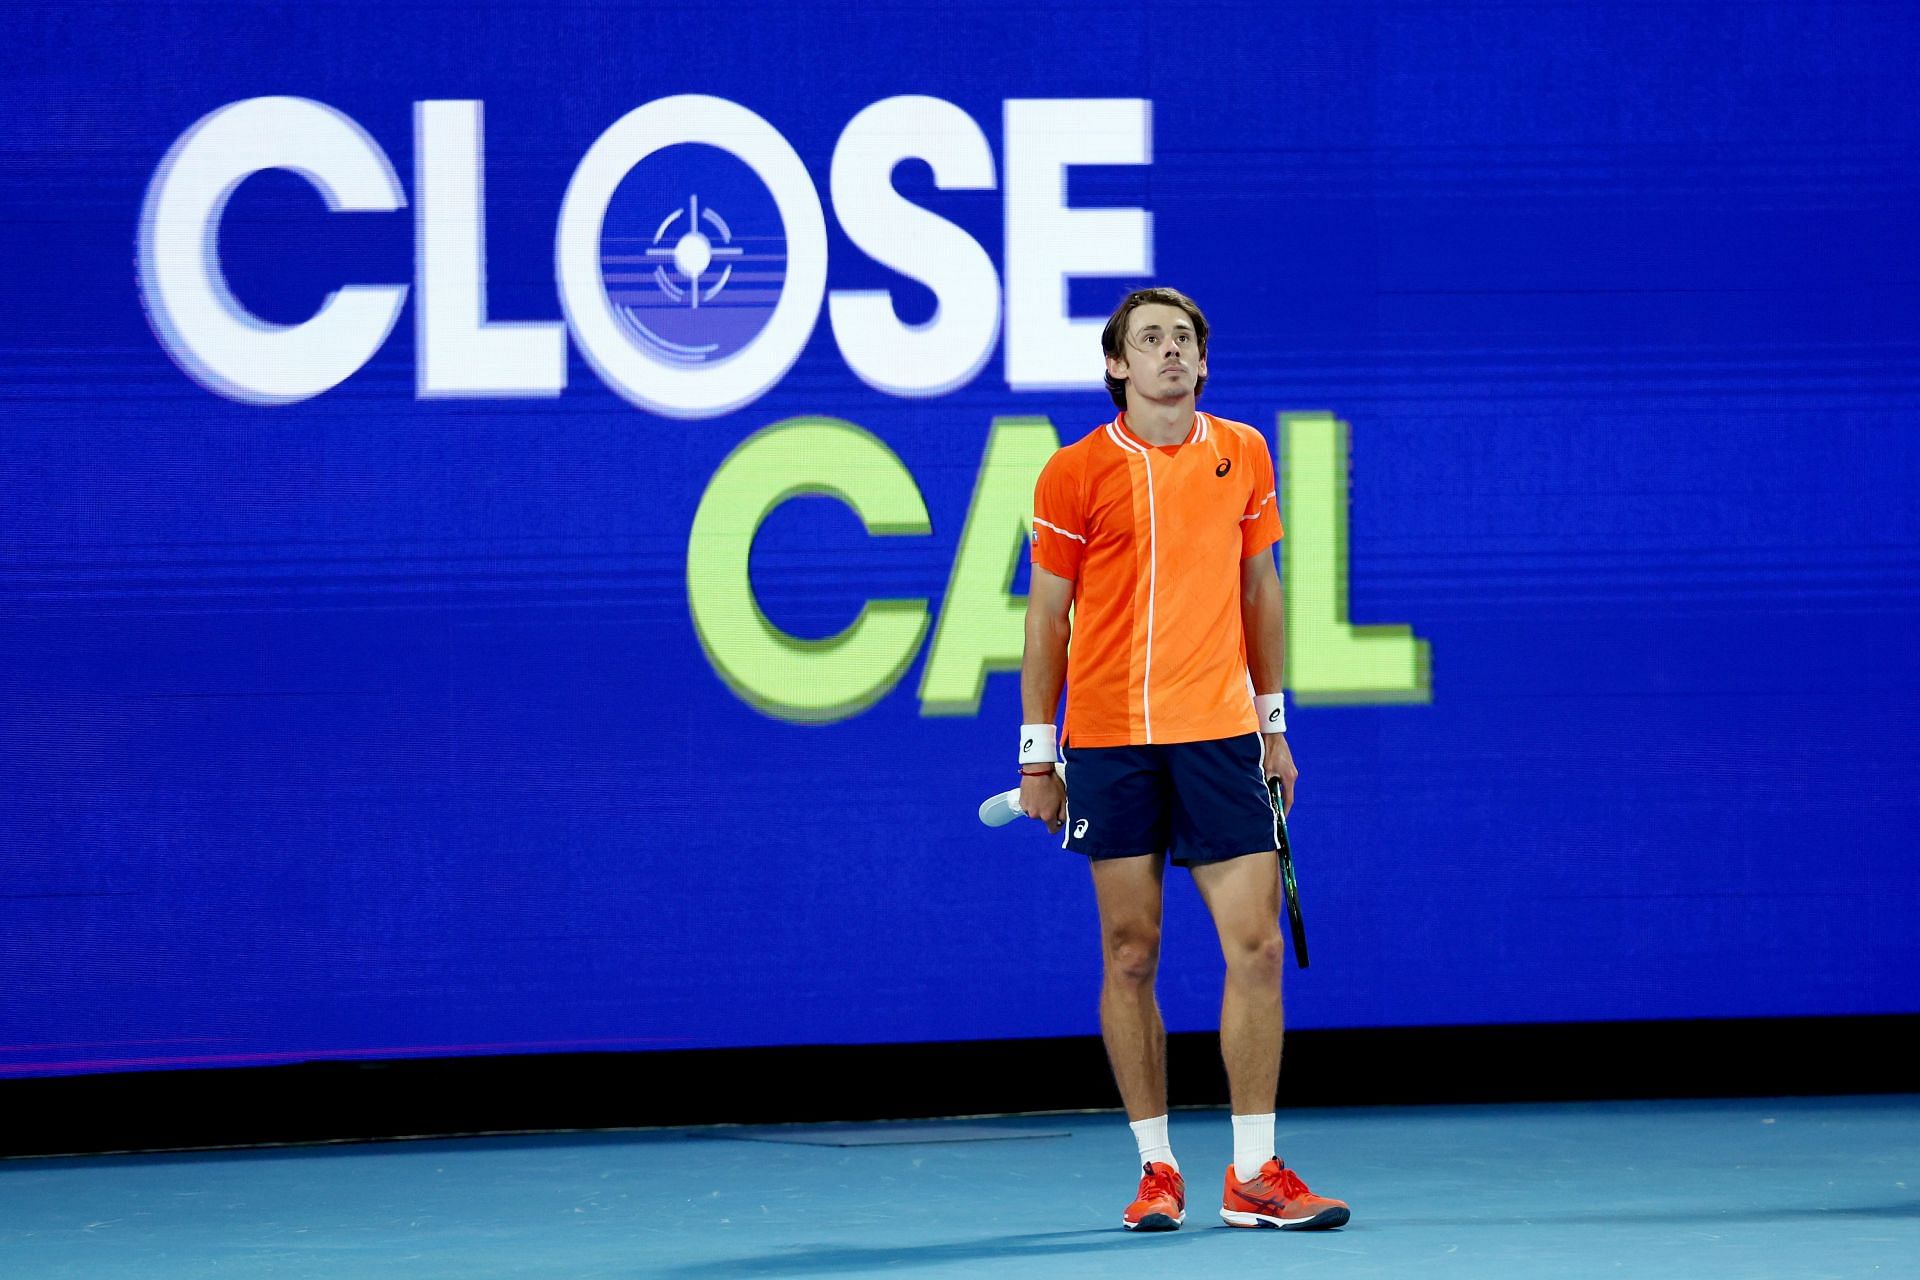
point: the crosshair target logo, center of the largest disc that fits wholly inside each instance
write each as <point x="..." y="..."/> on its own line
<point x="692" y="255"/>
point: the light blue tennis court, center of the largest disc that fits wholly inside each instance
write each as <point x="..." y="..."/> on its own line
<point x="1790" y="1188"/>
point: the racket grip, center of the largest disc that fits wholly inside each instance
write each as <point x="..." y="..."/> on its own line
<point x="999" y="810"/>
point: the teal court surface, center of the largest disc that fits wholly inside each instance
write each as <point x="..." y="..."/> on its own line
<point x="1818" y="1187"/>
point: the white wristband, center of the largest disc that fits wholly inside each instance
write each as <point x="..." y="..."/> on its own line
<point x="1272" y="710"/>
<point x="1039" y="744"/>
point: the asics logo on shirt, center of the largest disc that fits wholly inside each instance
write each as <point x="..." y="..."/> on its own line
<point x="1226" y="465"/>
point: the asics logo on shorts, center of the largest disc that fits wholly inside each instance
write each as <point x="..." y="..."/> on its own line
<point x="1079" y="828"/>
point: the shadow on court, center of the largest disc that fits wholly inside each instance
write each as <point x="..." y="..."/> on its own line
<point x="827" y="1260"/>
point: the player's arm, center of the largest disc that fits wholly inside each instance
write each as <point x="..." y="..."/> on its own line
<point x="1263" y="622"/>
<point x="1043" y="672"/>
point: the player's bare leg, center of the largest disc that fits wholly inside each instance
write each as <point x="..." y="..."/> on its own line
<point x="1243" y="895"/>
<point x="1260" y="1190"/>
<point x="1129" y="892"/>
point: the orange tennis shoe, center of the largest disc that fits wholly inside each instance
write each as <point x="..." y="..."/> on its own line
<point x="1162" y="1203"/>
<point x="1277" y="1198"/>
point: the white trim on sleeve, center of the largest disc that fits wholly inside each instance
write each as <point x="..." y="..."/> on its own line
<point x="1048" y="524"/>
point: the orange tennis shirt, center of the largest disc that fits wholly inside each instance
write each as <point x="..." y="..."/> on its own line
<point x="1152" y="537"/>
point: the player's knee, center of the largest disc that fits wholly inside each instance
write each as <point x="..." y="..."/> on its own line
<point x="1259" y="955"/>
<point x="1133" y="954"/>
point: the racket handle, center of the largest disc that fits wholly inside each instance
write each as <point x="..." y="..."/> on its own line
<point x="998" y="811"/>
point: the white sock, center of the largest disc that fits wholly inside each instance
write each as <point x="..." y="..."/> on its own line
<point x="1252" y="1144"/>
<point x="1152" y="1137"/>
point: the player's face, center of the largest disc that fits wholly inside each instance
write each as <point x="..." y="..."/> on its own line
<point x="1163" y="361"/>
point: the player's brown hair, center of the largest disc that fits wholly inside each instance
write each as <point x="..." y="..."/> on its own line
<point x="1113" y="339"/>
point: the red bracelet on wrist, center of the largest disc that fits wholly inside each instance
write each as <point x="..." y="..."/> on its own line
<point x="1042" y="774"/>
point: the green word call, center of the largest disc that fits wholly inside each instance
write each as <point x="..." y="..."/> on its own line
<point x="980" y="626"/>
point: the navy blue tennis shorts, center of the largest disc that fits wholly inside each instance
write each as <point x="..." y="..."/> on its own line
<point x="1200" y="801"/>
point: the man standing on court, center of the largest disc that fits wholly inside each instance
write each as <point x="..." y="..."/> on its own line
<point x="1153" y="552"/>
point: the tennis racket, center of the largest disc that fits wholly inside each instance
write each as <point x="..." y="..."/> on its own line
<point x="1294" y="920"/>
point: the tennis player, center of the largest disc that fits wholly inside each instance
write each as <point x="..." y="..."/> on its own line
<point x="1155" y="600"/>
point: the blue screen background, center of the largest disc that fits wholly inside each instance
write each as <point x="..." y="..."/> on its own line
<point x="372" y="726"/>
